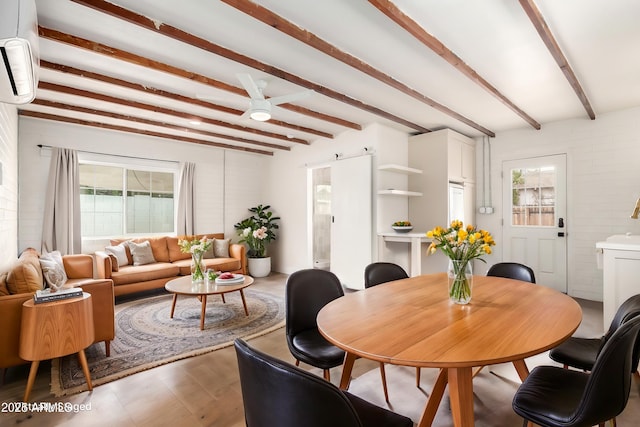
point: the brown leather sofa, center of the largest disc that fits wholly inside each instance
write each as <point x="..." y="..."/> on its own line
<point x="170" y="263"/>
<point x="27" y="271"/>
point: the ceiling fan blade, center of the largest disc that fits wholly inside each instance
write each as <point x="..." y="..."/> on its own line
<point x="250" y="86"/>
<point x="285" y="99"/>
<point x="245" y="115"/>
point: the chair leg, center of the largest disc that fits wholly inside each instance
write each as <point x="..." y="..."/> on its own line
<point x="383" y="376"/>
<point x="477" y="371"/>
<point x="418" y="377"/>
<point x="327" y="375"/>
<point x="297" y="362"/>
<point x="107" y="348"/>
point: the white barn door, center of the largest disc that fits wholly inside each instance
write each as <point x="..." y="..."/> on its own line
<point x="351" y="208"/>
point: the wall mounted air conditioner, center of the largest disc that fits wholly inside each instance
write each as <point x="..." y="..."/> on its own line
<point x="19" y="61"/>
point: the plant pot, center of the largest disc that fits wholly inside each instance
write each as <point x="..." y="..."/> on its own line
<point x="259" y="267"/>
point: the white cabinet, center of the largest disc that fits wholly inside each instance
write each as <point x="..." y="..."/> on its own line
<point x="444" y="157"/>
<point x="461" y="158"/>
<point x="621" y="272"/>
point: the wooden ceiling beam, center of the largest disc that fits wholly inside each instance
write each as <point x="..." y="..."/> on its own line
<point x="177" y="34"/>
<point x="54" y="117"/>
<point x="157" y="109"/>
<point x="392" y="12"/>
<point x="279" y="23"/>
<point x="549" y="40"/>
<point x="170" y="95"/>
<point x="146" y="62"/>
<point x="93" y="111"/>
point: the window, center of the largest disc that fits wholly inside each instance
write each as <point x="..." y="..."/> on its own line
<point x="117" y="200"/>
<point x="533" y="196"/>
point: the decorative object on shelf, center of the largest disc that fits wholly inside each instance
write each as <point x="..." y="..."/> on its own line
<point x="402" y="226"/>
<point x="197" y="248"/>
<point x="461" y="245"/>
<point x="257" y="232"/>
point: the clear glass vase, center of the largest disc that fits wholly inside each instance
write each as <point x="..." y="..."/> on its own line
<point x="460" y="281"/>
<point x="197" y="267"/>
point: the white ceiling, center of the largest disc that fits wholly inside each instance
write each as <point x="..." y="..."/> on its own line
<point x="601" y="41"/>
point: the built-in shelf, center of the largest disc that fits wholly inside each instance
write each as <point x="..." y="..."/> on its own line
<point x="399" y="193"/>
<point x="399" y="169"/>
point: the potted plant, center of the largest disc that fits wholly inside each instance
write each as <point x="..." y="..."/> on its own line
<point x="257" y="231"/>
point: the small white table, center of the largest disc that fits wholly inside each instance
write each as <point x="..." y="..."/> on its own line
<point x="415" y="239"/>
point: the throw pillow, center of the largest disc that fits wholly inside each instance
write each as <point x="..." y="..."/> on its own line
<point x="120" y="252"/>
<point x="221" y="248"/>
<point x="53" y="269"/>
<point x="24" y="278"/>
<point x="114" y="263"/>
<point x="209" y="253"/>
<point x="141" y="253"/>
<point x="4" y="290"/>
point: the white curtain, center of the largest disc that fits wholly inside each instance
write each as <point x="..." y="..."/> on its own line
<point x="186" y="198"/>
<point x="61" y="226"/>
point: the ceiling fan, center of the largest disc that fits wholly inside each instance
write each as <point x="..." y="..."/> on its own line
<point x="259" y="106"/>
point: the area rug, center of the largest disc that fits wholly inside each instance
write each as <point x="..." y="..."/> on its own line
<point x="147" y="337"/>
<point x="493" y="391"/>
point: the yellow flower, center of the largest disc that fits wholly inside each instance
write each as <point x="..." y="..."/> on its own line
<point x="462" y="235"/>
<point x="456" y="224"/>
<point x="486" y="249"/>
<point x="432" y="248"/>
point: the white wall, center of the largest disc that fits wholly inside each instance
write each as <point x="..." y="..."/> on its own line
<point x="227" y="182"/>
<point x="603" y="183"/>
<point x="8" y="185"/>
<point x="288" y="187"/>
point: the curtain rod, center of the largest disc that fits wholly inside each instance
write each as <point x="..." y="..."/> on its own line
<point x="114" y="155"/>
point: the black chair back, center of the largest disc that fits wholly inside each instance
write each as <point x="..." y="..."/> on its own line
<point x="276" y="393"/>
<point x="627" y="311"/>
<point x="512" y="270"/>
<point x="607" y="389"/>
<point x="307" y="291"/>
<point x="382" y="272"/>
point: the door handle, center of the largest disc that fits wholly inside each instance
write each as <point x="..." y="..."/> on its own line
<point x="560" y="222"/>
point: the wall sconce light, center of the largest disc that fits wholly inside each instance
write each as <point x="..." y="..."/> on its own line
<point x="636" y="210"/>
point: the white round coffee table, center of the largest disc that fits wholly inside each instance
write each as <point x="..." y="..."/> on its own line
<point x="184" y="286"/>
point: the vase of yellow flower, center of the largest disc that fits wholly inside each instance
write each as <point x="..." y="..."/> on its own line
<point x="461" y="245"/>
<point x="197" y="248"/>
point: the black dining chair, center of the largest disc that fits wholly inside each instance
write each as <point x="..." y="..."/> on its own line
<point x="378" y="273"/>
<point x="512" y="270"/>
<point x="581" y="353"/>
<point x="509" y="270"/>
<point x="555" y="397"/>
<point x="276" y="393"/>
<point x="307" y="291"/>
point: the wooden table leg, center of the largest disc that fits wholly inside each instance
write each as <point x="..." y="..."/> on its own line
<point x="435" y="398"/>
<point x="521" y="369"/>
<point x="223" y="301"/>
<point x="461" y="396"/>
<point x="173" y="304"/>
<point x="203" y="312"/>
<point x="32" y="377"/>
<point x="244" y="302"/>
<point x="85" y="368"/>
<point x="347" y="367"/>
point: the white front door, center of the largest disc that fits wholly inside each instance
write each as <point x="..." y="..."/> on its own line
<point x="534" y="222"/>
<point x="351" y="219"/>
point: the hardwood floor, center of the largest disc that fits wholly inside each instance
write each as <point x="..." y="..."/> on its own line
<point x="199" y="391"/>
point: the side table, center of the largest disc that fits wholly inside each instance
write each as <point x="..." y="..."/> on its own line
<point x="56" y="329"/>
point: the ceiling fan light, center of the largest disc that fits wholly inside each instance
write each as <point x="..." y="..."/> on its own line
<point x="260" y="115"/>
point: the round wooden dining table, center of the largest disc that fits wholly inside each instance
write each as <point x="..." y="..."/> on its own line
<point x="411" y="322"/>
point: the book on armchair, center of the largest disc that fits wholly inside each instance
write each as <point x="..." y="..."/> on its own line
<point x="46" y="295"/>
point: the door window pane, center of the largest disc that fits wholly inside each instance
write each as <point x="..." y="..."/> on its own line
<point x="533" y="197"/>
